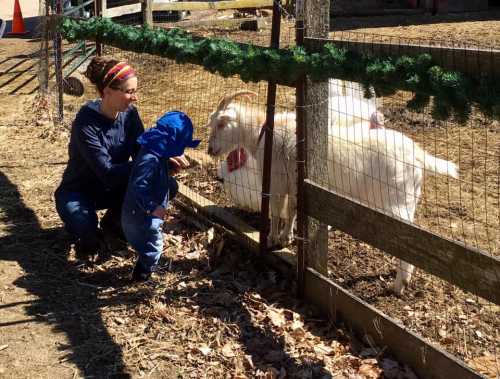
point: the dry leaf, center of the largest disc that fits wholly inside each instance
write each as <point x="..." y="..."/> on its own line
<point x="485" y="365"/>
<point x="249" y="361"/>
<point x="119" y="320"/>
<point x="370" y="369"/>
<point x="322" y="349"/>
<point x="228" y="350"/>
<point x="210" y="235"/>
<point x="277" y="318"/>
<point x="193" y="255"/>
<point x="204" y="349"/>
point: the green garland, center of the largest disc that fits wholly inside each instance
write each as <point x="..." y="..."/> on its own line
<point x="454" y="93"/>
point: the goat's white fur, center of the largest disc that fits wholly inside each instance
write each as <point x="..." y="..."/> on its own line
<point x="381" y="168"/>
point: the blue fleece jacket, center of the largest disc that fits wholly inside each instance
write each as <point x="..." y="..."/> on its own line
<point x="150" y="185"/>
<point x="100" y="150"/>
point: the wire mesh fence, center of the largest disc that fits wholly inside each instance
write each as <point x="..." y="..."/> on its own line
<point x="378" y="145"/>
<point x="393" y="168"/>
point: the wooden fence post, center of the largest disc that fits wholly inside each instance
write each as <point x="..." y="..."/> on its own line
<point x="317" y="24"/>
<point x="58" y="67"/>
<point x="100" y="11"/>
<point x="44" y="62"/>
<point x="147" y="12"/>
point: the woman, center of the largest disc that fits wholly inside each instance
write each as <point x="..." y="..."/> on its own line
<point x="103" y="142"/>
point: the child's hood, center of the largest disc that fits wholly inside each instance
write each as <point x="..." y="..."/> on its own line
<point x="171" y="135"/>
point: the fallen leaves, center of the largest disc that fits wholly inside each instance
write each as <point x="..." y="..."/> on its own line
<point x="228" y="350"/>
<point x="226" y="320"/>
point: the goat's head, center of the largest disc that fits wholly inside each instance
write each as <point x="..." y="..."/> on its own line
<point x="224" y="124"/>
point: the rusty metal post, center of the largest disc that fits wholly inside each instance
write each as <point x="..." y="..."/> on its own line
<point x="268" y="142"/>
<point x="99" y="7"/>
<point x="300" y="134"/>
<point x="58" y="66"/>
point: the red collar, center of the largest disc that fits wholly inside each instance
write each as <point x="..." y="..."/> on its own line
<point x="236" y="159"/>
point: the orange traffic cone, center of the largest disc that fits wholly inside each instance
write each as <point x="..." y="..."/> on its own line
<point x="17" y="21"/>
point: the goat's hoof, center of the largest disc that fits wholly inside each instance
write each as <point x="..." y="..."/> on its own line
<point x="273" y="243"/>
<point x="287" y="241"/>
<point x="398" y="289"/>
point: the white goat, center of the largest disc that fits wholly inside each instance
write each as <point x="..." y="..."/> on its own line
<point x="346" y="105"/>
<point x="243" y="184"/>
<point x="381" y="168"/>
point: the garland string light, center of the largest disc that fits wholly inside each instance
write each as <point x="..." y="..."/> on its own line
<point x="453" y="93"/>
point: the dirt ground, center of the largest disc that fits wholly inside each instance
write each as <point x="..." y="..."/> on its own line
<point x="211" y="311"/>
<point x="225" y="316"/>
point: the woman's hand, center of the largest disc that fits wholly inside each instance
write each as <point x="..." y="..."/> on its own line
<point x="178" y="163"/>
<point x="159" y="212"/>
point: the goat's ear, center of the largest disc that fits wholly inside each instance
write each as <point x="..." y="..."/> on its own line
<point x="225" y="117"/>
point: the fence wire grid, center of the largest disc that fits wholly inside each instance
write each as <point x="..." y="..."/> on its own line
<point x="465" y="209"/>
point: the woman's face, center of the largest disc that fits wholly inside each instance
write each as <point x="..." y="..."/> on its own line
<point x="123" y="95"/>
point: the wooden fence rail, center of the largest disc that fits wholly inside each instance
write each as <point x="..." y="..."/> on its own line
<point x="466" y="267"/>
<point x="338" y="304"/>
<point x="184" y="6"/>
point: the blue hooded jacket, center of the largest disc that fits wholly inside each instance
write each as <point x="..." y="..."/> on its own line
<point x="150" y="185"/>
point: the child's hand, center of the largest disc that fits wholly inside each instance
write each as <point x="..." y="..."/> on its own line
<point x="159" y="212"/>
<point x="178" y="163"/>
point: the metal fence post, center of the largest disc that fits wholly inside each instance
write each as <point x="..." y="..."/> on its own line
<point x="58" y="66"/>
<point x="301" y="167"/>
<point x="268" y="142"/>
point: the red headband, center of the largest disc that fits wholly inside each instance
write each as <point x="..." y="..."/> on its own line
<point x="120" y="71"/>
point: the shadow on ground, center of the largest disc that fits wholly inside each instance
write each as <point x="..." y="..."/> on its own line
<point x="67" y="299"/>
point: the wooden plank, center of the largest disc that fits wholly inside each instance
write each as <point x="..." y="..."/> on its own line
<point x="249" y="235"/>
<point x="373" y="326"/>
<point x="465" y="267"/>
<point x="121" y="11"/>
<point x="225" y="23"/>
<point x="207" y="5"/>
<point x="474" y="61"/>
<point x="335" y="302"/>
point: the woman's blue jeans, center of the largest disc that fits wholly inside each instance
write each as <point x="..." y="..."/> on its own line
<point x="78" y="211"/>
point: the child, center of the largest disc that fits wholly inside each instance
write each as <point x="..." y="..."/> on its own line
<point x="150" y="188"/>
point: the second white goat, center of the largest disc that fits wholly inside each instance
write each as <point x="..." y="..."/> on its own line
<point x="381" y="168"/>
